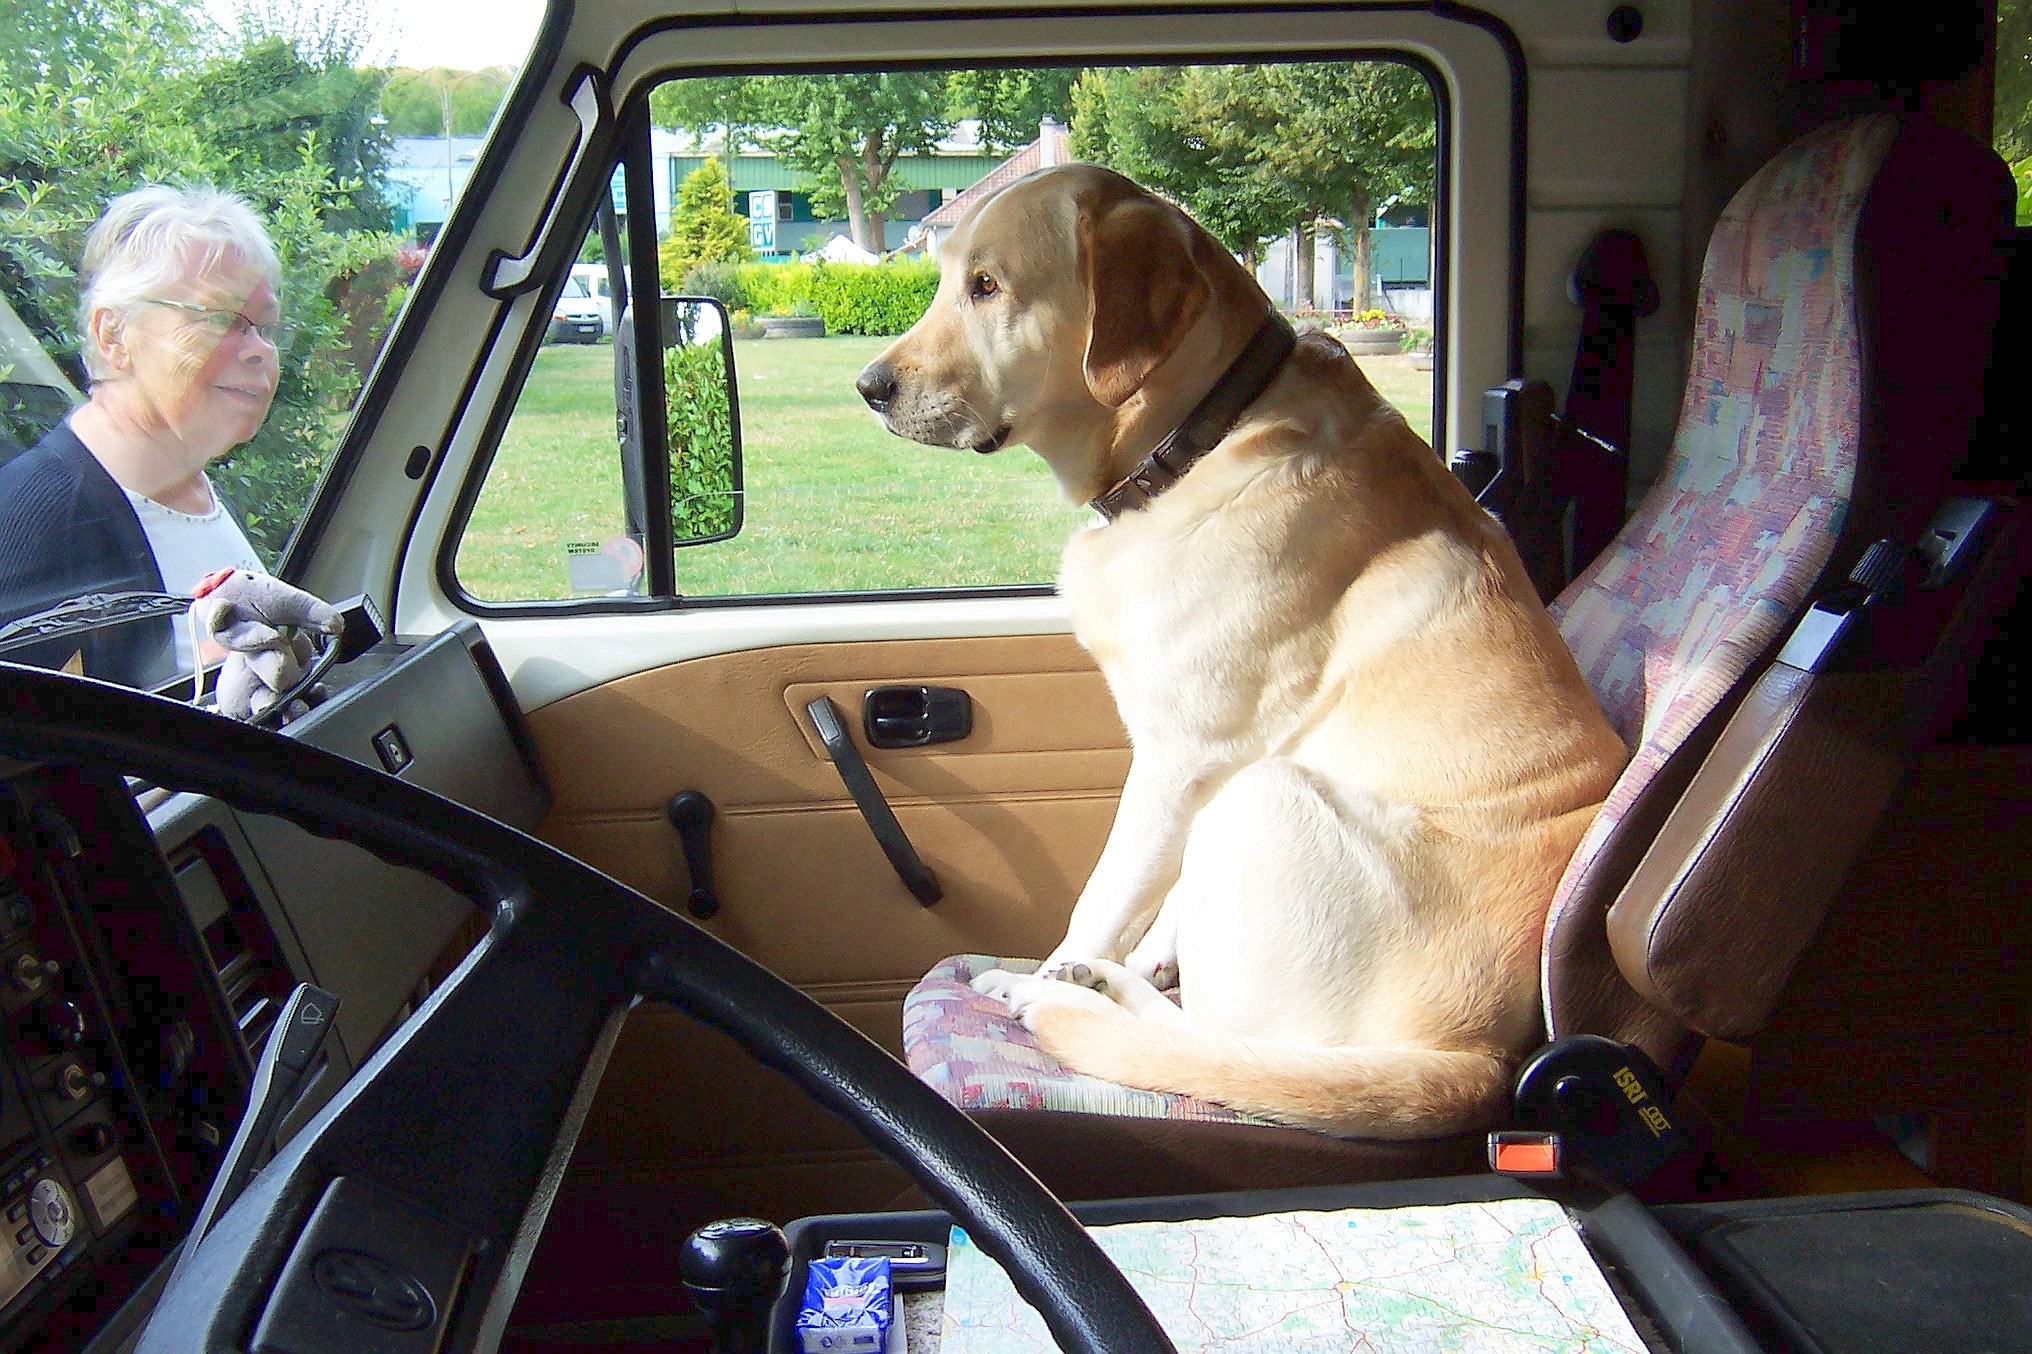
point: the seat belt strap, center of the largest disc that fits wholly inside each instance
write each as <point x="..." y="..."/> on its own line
<point x="1613" y="286"/>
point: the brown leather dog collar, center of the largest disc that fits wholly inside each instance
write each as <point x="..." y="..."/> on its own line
<point x="1248" y="376"/>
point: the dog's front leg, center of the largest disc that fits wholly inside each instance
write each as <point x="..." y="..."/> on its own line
<point x="1138" y="865"/>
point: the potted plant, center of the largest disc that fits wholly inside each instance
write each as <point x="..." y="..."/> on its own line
<point x="1418" y="344"/>
<point x="799" y="320"/>
<point x="1372" y="333"/>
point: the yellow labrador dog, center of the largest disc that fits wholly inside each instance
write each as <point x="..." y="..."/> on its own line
<point x="1362" y="754"/>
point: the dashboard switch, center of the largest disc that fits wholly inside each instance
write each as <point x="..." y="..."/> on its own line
<point x="93" y="1139"/>
<point x="53" y="1026"/>
<point x="393" y="750"/>
<point x="31" y="973"/>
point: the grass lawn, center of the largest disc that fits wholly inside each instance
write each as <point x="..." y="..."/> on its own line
<point x="832" y="501"/>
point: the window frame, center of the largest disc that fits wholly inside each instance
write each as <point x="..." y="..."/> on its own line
<point x="639" y="72"/>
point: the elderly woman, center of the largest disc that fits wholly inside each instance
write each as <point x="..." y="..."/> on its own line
<point x="179" y="328"/>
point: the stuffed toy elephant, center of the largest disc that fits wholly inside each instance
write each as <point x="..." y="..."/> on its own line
<point x="265" y="627"/>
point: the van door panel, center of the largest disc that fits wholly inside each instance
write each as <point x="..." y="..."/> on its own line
<point x="1010" y="818"/>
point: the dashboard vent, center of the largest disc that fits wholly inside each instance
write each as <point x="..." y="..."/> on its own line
<point x="255" y="986"/>
<point x="252" y="975"/>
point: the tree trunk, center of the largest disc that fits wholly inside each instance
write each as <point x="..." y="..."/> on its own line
<point x="1302" y="252"/>
<point x="1362" y="267"/>
<point x="874" y="173"/>
<point x="1363" y="259"/>
<point x="857" y="211"/>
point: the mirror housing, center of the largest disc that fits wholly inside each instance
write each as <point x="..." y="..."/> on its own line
<point x="702" y="423"/>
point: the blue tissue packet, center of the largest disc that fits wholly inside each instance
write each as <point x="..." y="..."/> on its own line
<point x="846" y="1306"/>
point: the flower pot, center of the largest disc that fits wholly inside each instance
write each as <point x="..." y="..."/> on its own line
<point x="792" y="326"/>
<point x="1372" y="342"/>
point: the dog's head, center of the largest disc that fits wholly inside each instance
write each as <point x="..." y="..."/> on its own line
<point x="1061" y="298"/>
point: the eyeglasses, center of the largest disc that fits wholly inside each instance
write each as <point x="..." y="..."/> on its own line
<point x="276" y="334"/>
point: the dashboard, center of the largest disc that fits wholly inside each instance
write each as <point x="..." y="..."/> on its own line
<point x="148" y="938"/>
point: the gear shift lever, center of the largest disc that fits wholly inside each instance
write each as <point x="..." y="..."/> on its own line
<point x="733" y="1269"/>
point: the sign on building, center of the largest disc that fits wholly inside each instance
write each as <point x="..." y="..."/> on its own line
<point x="762" y="220"/>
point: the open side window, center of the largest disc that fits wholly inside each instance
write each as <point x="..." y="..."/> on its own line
<point x="793" y="222"/>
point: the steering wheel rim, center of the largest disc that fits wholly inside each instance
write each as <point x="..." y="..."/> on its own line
<point x="45" y="717"/>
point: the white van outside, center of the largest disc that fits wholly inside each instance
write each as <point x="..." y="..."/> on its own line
<point x="594" y="280"/>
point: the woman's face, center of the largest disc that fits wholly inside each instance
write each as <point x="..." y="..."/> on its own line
<point x="190" y="370"/>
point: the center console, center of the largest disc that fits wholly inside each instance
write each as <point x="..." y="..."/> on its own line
<point x="148" y="940"/>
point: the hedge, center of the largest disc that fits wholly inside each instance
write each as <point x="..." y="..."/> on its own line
<point x="852" y="298"/>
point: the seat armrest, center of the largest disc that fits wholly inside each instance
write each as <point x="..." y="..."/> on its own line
<point x="1737" y="882"/>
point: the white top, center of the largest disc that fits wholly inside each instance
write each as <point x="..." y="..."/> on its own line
<point x="188" y="546"/>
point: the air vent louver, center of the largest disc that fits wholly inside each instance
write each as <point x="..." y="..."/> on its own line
<point x="249" y="976"/>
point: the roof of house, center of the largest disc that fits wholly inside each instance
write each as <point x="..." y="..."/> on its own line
<point x="1052" y="147"/>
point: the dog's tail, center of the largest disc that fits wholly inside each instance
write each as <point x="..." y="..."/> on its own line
<point x="1366" y="1092"/>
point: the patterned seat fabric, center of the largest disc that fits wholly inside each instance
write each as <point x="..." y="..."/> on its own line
<point x="1714" y="563"/>
<point x="975" y="1054"/>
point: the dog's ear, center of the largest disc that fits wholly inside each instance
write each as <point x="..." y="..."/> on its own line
<point x="1144" y="291"/>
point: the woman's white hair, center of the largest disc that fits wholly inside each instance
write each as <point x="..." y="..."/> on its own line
<point x="154" y="237"/>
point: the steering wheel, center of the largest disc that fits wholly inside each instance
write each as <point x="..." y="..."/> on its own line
<point x="499" y="1065"/>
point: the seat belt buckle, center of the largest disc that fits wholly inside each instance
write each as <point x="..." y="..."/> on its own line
<point x="1525" y="1154"/>
<point x="1604" y="1104"/>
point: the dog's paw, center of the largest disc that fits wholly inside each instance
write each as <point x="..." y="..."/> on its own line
<point x="1025" y="994"/>
<point x="1079" y="973"/>
<point x="997" y="982"/>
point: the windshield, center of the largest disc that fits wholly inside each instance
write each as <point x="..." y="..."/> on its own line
<point x="210" y="213"/>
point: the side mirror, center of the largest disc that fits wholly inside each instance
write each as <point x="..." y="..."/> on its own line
<point x="702" y="419"/>
<point x="702" y="422"/>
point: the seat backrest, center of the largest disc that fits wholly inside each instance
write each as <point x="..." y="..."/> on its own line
<point x="1812" y="423"/>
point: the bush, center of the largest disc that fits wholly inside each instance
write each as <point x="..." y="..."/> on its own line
<point x="852" y="298"/>
<point x="701" y="441"/>
<point x="721" y="281"/>
<point x="773" y="288"/>
<point x="872" y="298"/>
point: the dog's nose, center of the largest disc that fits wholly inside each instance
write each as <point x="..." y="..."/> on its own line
<point x="877" y="385"/>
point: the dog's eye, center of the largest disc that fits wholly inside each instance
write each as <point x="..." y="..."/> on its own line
<point x="983" y="287"/>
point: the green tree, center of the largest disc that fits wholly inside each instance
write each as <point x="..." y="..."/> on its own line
<point x="1012" y="102"/>
<point x="703" y="226"/>
<point x="843" y="133"/>
<point x="1335" y="140"/>
<point x="40" y="40"/>
<point x="737" y="106"/>
<point x="269" y="98"/>
<point x="1134" y="122"/>
<point x="440" y="102"/>
<point x="1254" y="151"/>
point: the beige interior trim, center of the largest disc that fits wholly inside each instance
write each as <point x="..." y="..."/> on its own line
<point x="1012" y="819"/>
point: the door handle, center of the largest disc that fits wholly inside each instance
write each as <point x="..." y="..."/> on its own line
<point x="860" y="783"/>
<point x="915" y="716"/>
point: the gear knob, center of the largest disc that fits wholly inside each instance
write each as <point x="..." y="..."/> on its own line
<point x="733" y="1269"/>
